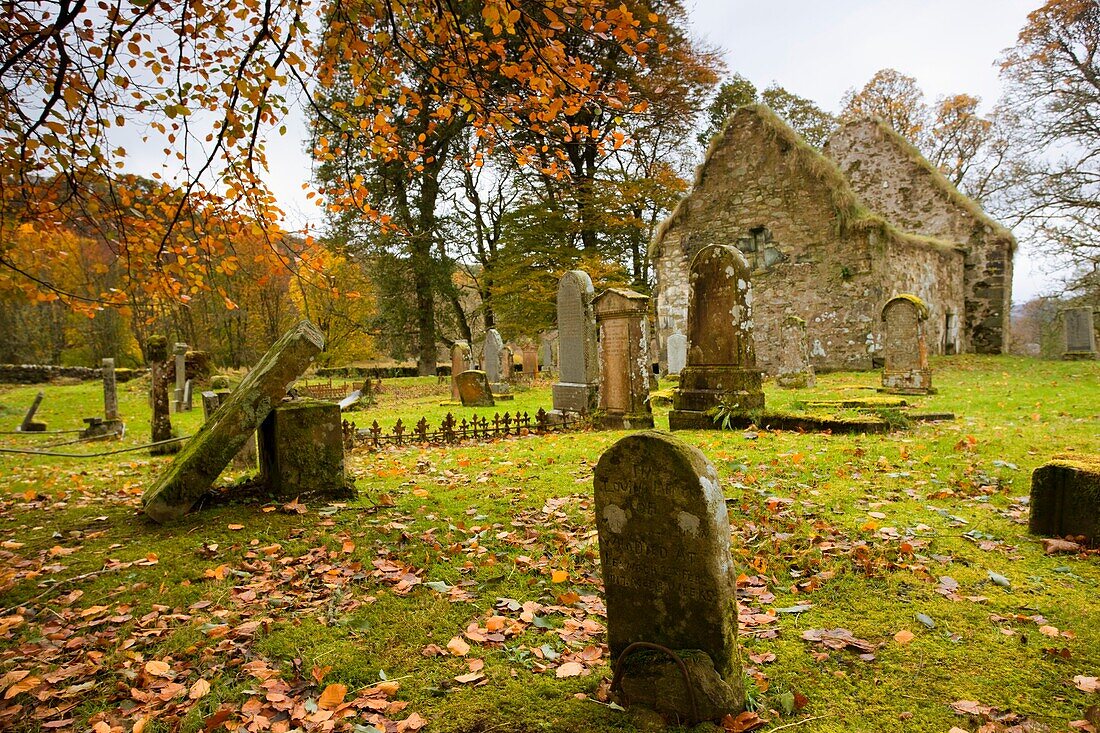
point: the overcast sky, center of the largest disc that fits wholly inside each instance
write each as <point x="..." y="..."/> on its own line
<point x="818" y="50"/>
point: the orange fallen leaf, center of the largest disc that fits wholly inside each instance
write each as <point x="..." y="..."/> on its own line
<point x="23" y="685"/>
<point x="466" y="679"/>
<point x="904" y="636"/>
<point x="413" y="722"/>
<point x="199" y="689"/>
<point x="458" y="647"/>
<point x="332" y="696"/>
<point x="559" y="576"/>
<point x="569" y="669"/>
<point x="157" y="668"/>
<point x="235" y="527"/>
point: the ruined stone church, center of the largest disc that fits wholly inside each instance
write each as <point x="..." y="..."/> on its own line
<point x="831" y="236"/>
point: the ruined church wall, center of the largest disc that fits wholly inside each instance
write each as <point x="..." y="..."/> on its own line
<point x="887" y="174"/>
<point x="935" y="275"/>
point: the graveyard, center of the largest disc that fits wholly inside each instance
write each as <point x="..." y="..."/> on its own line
<point x="521" y="366"/>
<point x="883" y="581"/>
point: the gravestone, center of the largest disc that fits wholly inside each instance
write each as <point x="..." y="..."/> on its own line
<point x="29" y="424"/>
<point x="110" y="395"/>
<point x="904" y="348"/>
<point x="795" y="370"/>
<point x="181" y="375"/>
<point x="157" y="351"/>
<point x="302" y="451"/>
<point x="577" y="388"/>
<point x="188" y="394"/>
<point x="491" y="352"/>
<point x="210" y="403"/>
<point x="668" y="575"/>
<point x="207" y="453"/>
<point x="508" y="363"/>
<point x="1065" y="498"/>
<point x="473" y="389"/>
<point x="462" y="359"/>
<point x="624" y="360"/>
<point x="530" y="362"/>
<point x="677" y="352"/>
<point x="547" y="352"/>
<point x="721" y="357"/>
<point x="1080" y="334"/>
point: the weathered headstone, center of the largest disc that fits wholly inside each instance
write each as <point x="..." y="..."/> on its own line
<point x="180" y="352"/>
<point x="668" y="575"/>
<point x="624" y="359"/>
<point x="1080" y="334"/>
<point x="795" y="370"/>
<point x="1065" y="498"/>
<point x="546" y="353"/>
<point x="302" y="451"/>
<point x="721" y="357"/>
<point x="508" y="363"/>
<point x="110" y="392"/>
<point x="677" y="352"/>
<point x="29" y="424"/>
<point x="210" y="401"/>
<point x="490" y="355"/>
<point x="473" y="389"/>
<point x="157" y="351"/>
<point x="188" y="394"/>
<point x="577" y="388"/>
<point x="530" y="361"/>
<point x="217" y="441"/>
<point x="462" y="359"/>
<point x="904" y="348"/>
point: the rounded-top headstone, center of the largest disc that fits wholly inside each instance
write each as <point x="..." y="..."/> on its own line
<point x="720" y="311"/>
<point x="902" y="345"/>
<point x="494" y="345"/>
<point x="665" y="550"/>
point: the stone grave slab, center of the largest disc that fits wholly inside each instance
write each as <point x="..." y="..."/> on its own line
<point x="302" y="451"/>
<point x="577" y="388"/>
<point x="624" y="360"/>
<point x="204" y="457"/>
<point x="668" y="574"/>
<point x="1065" y="498"/>
<point x="1080" y="333"/>
<point x="904" y="348"/>
<point x="473" y="389"/>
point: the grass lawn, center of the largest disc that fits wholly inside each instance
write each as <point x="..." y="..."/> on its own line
<point x="461" y="590"/>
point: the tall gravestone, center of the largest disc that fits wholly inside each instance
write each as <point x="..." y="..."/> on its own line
<point x="180" y="352"/>
<point x="1080" y="333"/>
<point x="904" y="347"/>
<point x="795" y="370"/>
<point x="668" y="575"/>
<point x="462" y="359"/>
<point x="508" y="363"/>
<point x="677" y="348"/>
<point x="530" y="361"/>
<point x="624" y="359"/>
<point x="157" y="351"/>
<point x="577" y="388"/>
<point x="209" y="451"/>
<point x="491" y="353"/>
<point x="721" y="357"/>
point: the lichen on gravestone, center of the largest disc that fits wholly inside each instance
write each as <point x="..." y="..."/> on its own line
<point x="206" y="455"/>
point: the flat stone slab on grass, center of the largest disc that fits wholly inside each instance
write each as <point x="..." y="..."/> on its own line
<point x="1065" y="498"/>
<point x="211" y="449"/>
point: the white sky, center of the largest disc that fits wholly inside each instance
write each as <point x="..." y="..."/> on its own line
<point x="817" y="49"/>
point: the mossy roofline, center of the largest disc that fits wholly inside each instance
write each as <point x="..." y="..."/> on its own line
<point x="852" y="215"/>
<point x="938" y="180"/>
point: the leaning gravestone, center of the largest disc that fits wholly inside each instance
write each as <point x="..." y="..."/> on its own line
<point x="668" y="576"/>
<point x="624" y="360"/>
<point x="577" y="388"/>
<point x="1065" y="498"/>
<point x="246" y="456"/>
<point x="473" y="389"/>
<point x="29" y="424"/>
<point x="197" y="467"/>
<point x="795" y="370"/>
<point x="462" y="359"/>
<point x="302" y="451"/>
<point x="904" y="349"/>
<point x="721" y="356"/>
<point x="1080" y="334"/>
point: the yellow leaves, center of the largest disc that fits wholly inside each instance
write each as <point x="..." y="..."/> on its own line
<point x="18" y="681"/>
<point x="559" y="576"/>
<point x="199" y="690"/>
<point x="569" y="669"/>
<point x="904" y="636"/>
<point x="458" y="647"/>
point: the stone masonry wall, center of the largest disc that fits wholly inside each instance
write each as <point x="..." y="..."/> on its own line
<point x="837" y="282"/>
<point x="895" y="181"/>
